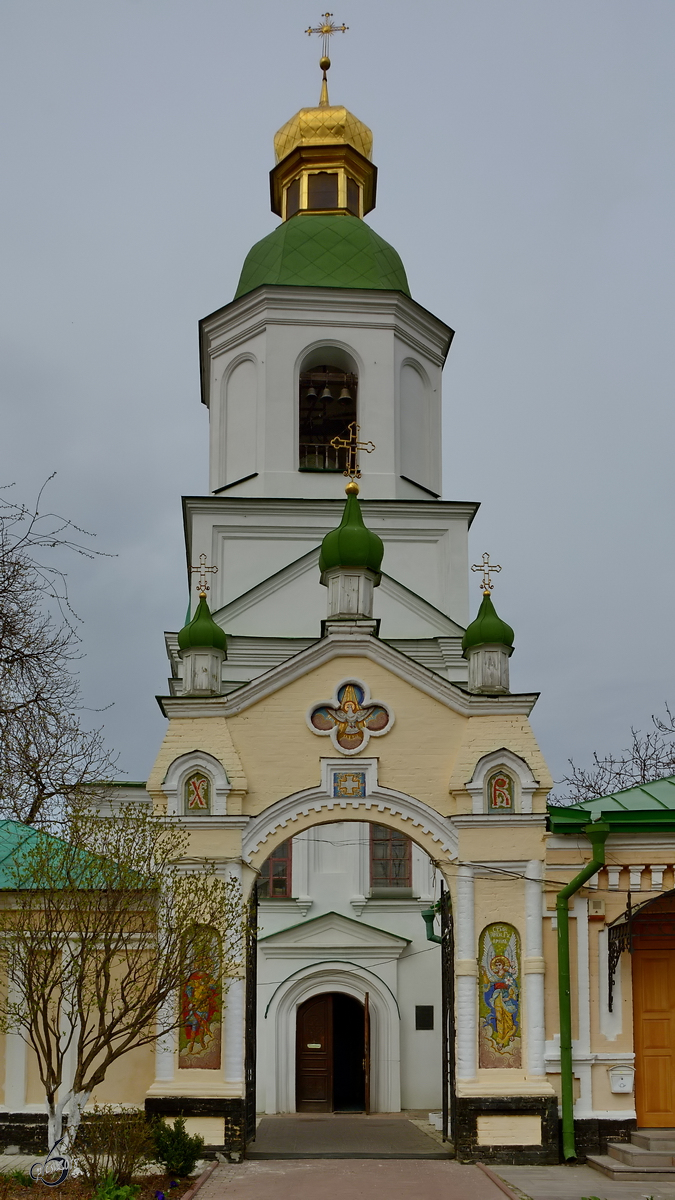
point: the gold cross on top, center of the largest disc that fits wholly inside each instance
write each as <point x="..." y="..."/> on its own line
<point x="488" y="569"/>
<point x="326" y="30"/>
<point x="202" y="582"/>
<point x="352" y="445"/>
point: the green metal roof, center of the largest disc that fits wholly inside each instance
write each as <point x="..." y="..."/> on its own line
<point x="202" y="630"/>
<point x="352" y="544"/>
<point x="645" y="808"/>
<point x="15" y="837"/>
<point x="323" y="250"/>
<point x="488" y="628"/>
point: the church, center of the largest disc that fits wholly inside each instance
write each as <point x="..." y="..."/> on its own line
<point x="342" y="737"/>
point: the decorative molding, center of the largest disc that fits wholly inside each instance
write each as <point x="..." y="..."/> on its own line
<point x="365" y="808"/>
<point x="526" y="784"/>
<point x="335" y="646"/>
<point x="174" y="781"/>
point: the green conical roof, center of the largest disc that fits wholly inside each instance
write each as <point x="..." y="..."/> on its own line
<point x="487" y="627"/>
<point x="324" y="250"/>
<point x="352" y="544"/>
<point x="202" y="630"/>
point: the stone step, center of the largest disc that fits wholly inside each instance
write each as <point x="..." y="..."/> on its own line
<point x="614" y="1169"/>
<point x="638" y="1156"/>
<point x="654" y="1139"/>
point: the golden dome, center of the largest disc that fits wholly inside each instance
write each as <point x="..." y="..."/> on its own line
<point x="328" y="124"/>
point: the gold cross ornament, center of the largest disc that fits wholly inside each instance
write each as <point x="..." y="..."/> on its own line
<point x="488" y="569"/>
<point x="326" y="30"/>
<point x="352" y="445"/>
<point x="202" y="582"/>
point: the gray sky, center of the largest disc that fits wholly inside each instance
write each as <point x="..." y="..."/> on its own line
<point x="526" y="178"/>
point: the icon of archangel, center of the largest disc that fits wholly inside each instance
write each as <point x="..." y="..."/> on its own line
<point x="351" y="718"/>
<point x="500" y="1034"/>
<point x="200" y="1028"/>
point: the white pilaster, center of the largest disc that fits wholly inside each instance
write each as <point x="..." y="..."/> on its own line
<point x="466" y="969"/>
<point x="15" y="1065"/>
<point x="165" y="1046"/>
<point x="234" y="1032"/>
<point x="534" y="970"/>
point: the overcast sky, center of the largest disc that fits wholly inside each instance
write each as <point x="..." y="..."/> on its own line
<point x="525" y="152"/>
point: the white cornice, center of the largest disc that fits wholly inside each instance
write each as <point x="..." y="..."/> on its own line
<point x="348" y="644"/>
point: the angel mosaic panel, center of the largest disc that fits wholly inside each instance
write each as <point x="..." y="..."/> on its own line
<point x="199" y="1042"/>
<point x="351" y="718"/>
<point x="499" y="996"/>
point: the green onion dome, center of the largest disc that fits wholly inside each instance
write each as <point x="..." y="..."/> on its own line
<point x="323" y="250"/>
<point x="487" y="628"/>
<point x="351" y="544"/>
<point x="202" y="631"/>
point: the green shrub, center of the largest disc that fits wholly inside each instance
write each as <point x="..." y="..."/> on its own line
<point x="21" y="1178"/>
<point x="175" y="1149"/>
<point x="110" y="1189"/>
<point x="112" y="1144"/>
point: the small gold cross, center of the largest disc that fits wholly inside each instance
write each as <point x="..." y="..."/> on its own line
<point x="488" y="569"/>
<point x="326" y="30"/>
<point x="352" y="445"/>
<point x="202" y="582"/>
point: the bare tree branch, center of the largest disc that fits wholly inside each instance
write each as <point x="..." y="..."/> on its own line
<point x="649" y="756"/>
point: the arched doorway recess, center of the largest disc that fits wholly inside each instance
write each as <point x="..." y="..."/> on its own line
<point x="330" y="1058"/>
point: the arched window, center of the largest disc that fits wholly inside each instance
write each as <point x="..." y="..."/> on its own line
<point x="275" y="881"/>
<point x="500" y="793"/>
<point x="197" y="790"/>
<point x="327" y="408"/>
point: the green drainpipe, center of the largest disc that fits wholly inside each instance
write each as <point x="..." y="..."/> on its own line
<point x="597" y="836"/>
<point x="428" y="915"/>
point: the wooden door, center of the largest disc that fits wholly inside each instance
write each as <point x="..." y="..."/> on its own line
<point x="654" y="1022"/>
<point x="314" y="1055"/>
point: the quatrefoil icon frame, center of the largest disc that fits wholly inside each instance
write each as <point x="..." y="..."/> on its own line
<point x="328" y="712"/>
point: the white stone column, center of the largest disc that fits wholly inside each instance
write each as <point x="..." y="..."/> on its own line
<point x="535" y="1028"/>
<point x="165" y="1046"/>
<point x="15" y="1065"/>
<point x="234" y="1033"/>
<point x="466" y="971"/>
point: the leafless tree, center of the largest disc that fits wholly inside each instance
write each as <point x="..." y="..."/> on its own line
<point x="96" y="939"/>
<point x="47" y="754"/>
<point x="649" y="756"/>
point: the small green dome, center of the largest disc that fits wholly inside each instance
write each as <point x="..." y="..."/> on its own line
<point x="324" y="250"/>
<point x="351" y="544"/>
<point x="202" y="630"/>
<point x="487" y="628"/>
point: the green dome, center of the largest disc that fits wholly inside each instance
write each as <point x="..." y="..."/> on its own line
<point x="487" y="627"/>
<point x="351" y="544"/>
<point x="202" y="630"/>
<point x="324" y="250"/>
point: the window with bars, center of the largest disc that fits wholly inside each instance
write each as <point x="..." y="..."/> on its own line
<point x="275" y="881"/>
<point x="327" y="408"/>
<point x="390" y="859"/>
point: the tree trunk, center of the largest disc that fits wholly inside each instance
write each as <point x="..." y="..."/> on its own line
<point x="75" y="1104"/>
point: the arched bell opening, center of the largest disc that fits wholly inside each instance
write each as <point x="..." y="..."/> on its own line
<point x="328" y="396"/>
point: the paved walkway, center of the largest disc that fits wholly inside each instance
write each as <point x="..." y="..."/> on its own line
<point x="332" y="1135"/>
<point x="571" y="1183"/>
<point x="349" y="1179"/>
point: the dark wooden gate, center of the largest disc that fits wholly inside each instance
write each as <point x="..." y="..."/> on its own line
<point x="448" y="1015"/>
<point x="251" y="1015"/>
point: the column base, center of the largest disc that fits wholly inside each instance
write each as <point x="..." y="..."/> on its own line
<point x="221" y="1120"/>
<point x="507" y="1129"/>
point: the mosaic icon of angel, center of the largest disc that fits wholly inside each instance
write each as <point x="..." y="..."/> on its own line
<point x="351" y="718"/>
<point x="500" y="1008"/>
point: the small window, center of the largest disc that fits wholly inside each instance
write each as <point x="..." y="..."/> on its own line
<point x="322" y="190"/>
<point x="500" y="793"/>
<point x="293" y="198"/>
<point x="353" y="196"/>
<point x="390" y="858"/>
<point x="424" y="1016"/>
<point x="327" y="408"/>
<point x="275" y="874"/>
<point x="197" y="794"/>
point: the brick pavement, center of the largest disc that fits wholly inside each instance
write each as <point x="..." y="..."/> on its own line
<point x="349" y="1179"/>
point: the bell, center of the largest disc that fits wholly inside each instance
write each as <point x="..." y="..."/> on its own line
<point x="311" y="394"/>
<point x="326" y="393"/>
<point x="345" y="394"/>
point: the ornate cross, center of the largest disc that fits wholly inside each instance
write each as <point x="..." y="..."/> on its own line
<point x="326" y="30"/>
<point x="352" y="445"/>
<point x="202" y="582"/>
<point x="488" y="569"/>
